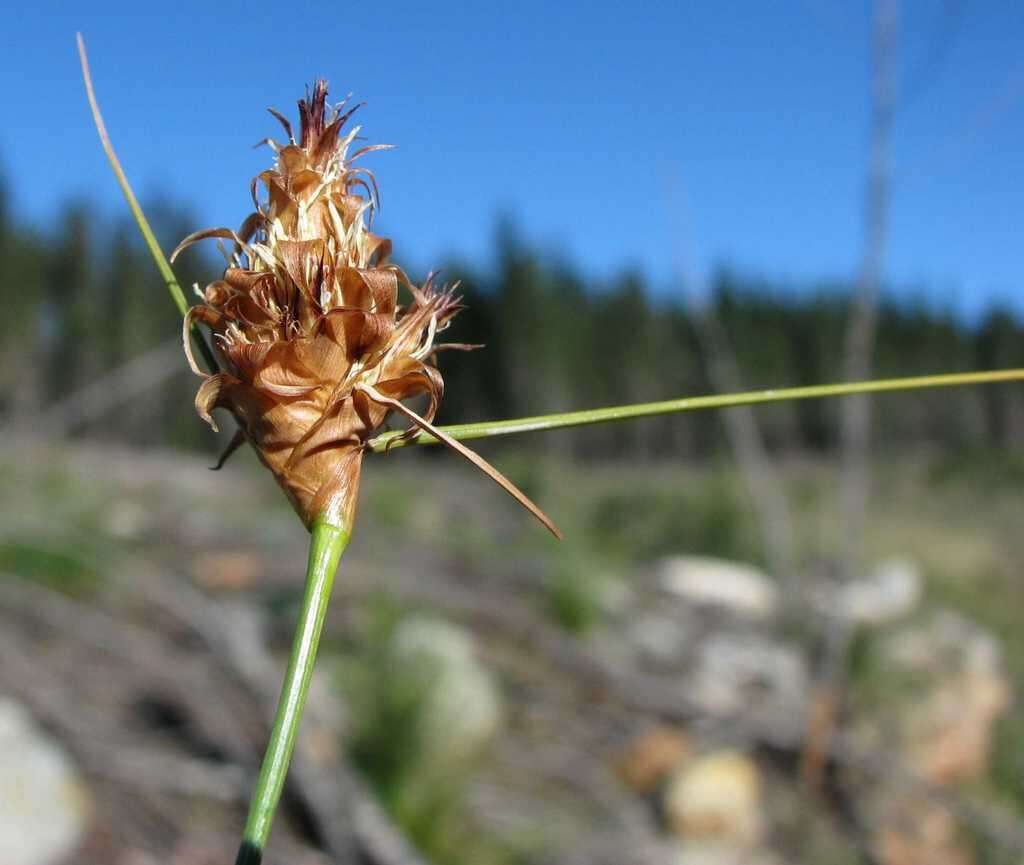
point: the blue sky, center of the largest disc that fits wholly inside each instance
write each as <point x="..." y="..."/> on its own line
<point x="644" y="134"/>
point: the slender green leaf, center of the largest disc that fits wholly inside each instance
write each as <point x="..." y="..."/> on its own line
<point x="177" y="295"/>
<point x="489" y="429"/>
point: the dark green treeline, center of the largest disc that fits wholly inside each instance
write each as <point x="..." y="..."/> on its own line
<point x="83" y="299"/>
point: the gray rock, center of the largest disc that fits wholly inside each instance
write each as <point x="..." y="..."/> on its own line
<point x="892" y="592"/>
<point x="658" y="638"/>
<point x="737" y="671"/>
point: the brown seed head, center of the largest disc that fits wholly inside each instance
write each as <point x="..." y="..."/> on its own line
<point x="307" y="312"/>
<point x="307" y="318"/>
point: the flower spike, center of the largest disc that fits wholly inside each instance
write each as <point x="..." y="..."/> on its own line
<point x="317" y="350"/>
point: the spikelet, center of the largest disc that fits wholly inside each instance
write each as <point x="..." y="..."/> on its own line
<point x="306" y="316"/>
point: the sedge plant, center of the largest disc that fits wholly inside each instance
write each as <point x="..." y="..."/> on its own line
<point x="312" y="351"/>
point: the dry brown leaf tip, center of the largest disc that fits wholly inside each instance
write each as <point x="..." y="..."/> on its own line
<point x="307" y="319"/>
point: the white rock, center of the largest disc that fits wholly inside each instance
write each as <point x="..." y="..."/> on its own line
<point x="892" y="592"/>
<point x="738" y="588"/>
<point x="43" y="806"/>
<point x="463" y="708"/>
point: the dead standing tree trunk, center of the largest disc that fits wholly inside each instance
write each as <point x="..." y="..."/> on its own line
<point x="766" y="489"/>
<point x="856" y="411"/>
<point x="860" y="336"/>
<point x="764" y="484"/>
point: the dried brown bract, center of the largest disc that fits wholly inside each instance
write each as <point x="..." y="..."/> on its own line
<point x="306" y="316"/>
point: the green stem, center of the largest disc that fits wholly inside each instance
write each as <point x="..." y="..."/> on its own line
<point x="177" y="295"/>
<point x="327" y="544"/>
<point x="488" y="429"/>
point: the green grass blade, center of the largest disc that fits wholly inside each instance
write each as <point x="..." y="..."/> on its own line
<point x="177" y="295"/>
<point x="490" y="429"/>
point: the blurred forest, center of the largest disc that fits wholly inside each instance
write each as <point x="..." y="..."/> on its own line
<point x="696" y="676"/>
<point x="84" y="300"/>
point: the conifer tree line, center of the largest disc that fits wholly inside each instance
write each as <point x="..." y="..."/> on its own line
<point x="84" y="298"/>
